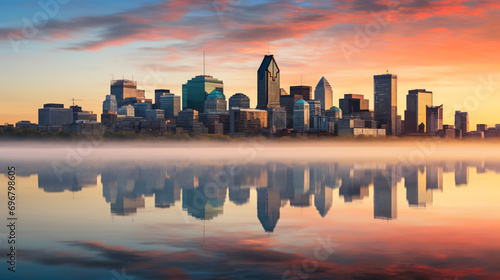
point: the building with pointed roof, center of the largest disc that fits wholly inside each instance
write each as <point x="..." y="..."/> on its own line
<point x="268" y="84"/>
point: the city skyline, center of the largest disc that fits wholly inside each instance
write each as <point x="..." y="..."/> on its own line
<point x="64" y="61"/>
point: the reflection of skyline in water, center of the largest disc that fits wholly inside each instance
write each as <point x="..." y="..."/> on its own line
<point x="202" y="190"/>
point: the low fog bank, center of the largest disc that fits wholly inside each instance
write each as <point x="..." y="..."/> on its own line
<point x="248" y="150"/>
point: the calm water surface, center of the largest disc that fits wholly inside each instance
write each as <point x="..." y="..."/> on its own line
<point x="272" y="220"/>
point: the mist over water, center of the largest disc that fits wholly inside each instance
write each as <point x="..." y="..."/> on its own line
<point x="257" y="210"/>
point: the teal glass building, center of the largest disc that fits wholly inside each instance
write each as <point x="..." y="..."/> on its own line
<point x="195" y="91"/>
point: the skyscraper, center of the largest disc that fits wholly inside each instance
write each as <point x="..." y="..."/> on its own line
<point x="268" y="208"/>
<point x="171" y="104"/>
<point x="123" y="89"/>
<point x="417" y="102"/>
<point x="195" y="91"/>
<point x="301" y="116"/>
<point x="324" y="94"/>
<point x="110" y="104"/>
<point x="434" y="119"/>
<point x="268" y="84"/>
<point x="353" y="103"/>
<point x="304" y="91"/>
<point x="314" y="111"/>
<point x="239" y="100"/>
<point x="386" y="100"/>
<point x="462" y="121"/>
<point x="158" y="94"/>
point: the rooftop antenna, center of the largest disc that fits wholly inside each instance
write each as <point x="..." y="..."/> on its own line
<point x="268" y="48"/>
<point x="73" y="99"/>
<point x="203" y="63"/>
<point x="301" y="83"/>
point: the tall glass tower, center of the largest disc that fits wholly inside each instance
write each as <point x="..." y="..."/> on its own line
<point x="195" y="91"/>
<point x="386" y="101"/>
<point x="268" y="84"/>
<point x="324" y="94"/>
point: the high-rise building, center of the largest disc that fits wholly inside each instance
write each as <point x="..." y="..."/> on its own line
<point x="304" y="91"/>
<point x="126" y="111"/>
<point x="284" y="92"/>
<point x="123" y="89"/>
<point x="386" y="101"/>
<point x="109" y="105"/>
<point x="353" y="103"/>
<point x="216" y="102"/>
<point x="54" y="115"/>
<point x="314" y="111"/>
<point x="239" y="100"/>
<point x="324" y="94"/>
<point x="417" y="102"/>
<point x="171" y="104"/>
<point x="301" y="116"/>
<point x="159" y="93"/>
<point x="434" y="119"/>
<point x="268" y="84"/>
<point x="249" y="121"/>
<point x="195" y="91"/>
<point x="276" y="118"/>
<point x="288" y="102"/>
<point x="141" y="108"/>
<point x="462" y="121"/>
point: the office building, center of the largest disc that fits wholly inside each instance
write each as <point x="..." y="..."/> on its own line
<point x="386" y="102"/>
<point x="195" y="91"/>
<point x="268" y="84"/>
<point x="158" y="94"/>
<point x="247" y="121"/>
<point x="124" y="89"/>
<point x="141" y="108"/>
<point x="188" y="120"/>
<point x="482" y="127"/>
<point x="126" y="111"/>
<point x="434" y="119"/>
<point x="324" y="94"/>
<point x="462" y="122"/>
<point x="417" y="102"/>
<point x="171" y="104"/>
<point x="417" y="194"/>
<point x="334" y="112"/>
<point x="288" y="102"/>
<point x="304" y="91"/>
<point x="54" y="115"/>
<point x="301" y="116"/>
<point x="79" y="114"/>
<point x="239" y="100"/>
<point x="109" y="105"/>
<point x="314" y="111"/>
<point x="155" y="115"/>
<point x="276" y="118"/>
<point x="216" y="102"/>
<point x="385" y="195"/>
<point x="353" y="103"/>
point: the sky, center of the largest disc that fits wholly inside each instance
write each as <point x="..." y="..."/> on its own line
<point x="54" y="50"/>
